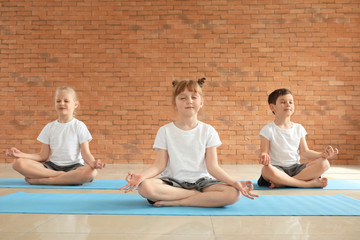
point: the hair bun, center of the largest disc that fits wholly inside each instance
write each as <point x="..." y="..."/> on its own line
<point x="174" y="83"/>
<point x="201" y="81"/>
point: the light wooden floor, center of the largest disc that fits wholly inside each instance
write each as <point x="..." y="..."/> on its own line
<point x="100" y="227"/>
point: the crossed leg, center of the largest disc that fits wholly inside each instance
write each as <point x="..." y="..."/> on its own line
<point x="36" y="173"/>
<point x="217" y="195"/>
<point x="309" y="177"/>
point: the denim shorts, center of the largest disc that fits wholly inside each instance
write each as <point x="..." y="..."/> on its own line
<point x="291" y="171"/>
<point x="53" y="166"/>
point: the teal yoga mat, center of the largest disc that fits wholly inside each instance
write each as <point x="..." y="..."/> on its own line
<point x="113" y="184"/>
<point x="134" y="204"/>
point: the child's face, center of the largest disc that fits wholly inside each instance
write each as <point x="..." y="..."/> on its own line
<point x="65" y="103"/>
<point x="284" y="106"/>
<point x="188" y="103"/>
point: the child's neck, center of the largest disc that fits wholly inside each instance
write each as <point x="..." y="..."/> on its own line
<point x="284" y="123"/>
<point x="65" y="119"/>
<point x="186" y="123"/>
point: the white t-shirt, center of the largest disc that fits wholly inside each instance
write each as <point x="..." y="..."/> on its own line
<point x="284" y="143"/>
<point x="186" y="150"/>
<point x="64" y="140"/>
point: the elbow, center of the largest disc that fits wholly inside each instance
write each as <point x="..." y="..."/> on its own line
<point x="212" y="169"/>
<point x="44" y="158"/>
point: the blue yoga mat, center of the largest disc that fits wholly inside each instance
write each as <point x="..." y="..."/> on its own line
<point x="134" y="204"/>
<point x="113" y="184"/>
<point x="110" y="184"/>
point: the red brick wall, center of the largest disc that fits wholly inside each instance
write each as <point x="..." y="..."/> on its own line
<point x="121" y="56"/>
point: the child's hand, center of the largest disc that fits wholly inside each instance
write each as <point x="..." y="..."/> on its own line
<point x="329" y="152"/>
<point x="264" y="159"/>
<point x="245" y="187"/>
<point x="13" y="152"/>
<point x="134" y="180"/>
<point x="98" y="164"/>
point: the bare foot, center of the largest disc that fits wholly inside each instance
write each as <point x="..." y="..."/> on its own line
<point x="273" y="185"/>
<point x="36" y="181"/>
<point x="46" y="181"/>
<point x="166" y="203"/>
<point x="319" y="182"/>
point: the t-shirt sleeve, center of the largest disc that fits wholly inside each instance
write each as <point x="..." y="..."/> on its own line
<point x="265" y="132"/>
<point x="213" y="138"/>
<point x="160" y="140"/>
<point x="44" y="136"/>
<point x="83" y="133"/>
<point x="302" y="131"/>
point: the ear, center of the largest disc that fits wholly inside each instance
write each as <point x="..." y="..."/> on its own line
<point x="272" y="107"/>
<point x="76" y="104"/>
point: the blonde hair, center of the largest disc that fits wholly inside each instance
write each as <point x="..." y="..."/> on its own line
<point x="191" y="85"/>
<point x="71" y="91"/>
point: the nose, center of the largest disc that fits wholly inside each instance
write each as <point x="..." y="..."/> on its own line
<point x="189" y="100"/>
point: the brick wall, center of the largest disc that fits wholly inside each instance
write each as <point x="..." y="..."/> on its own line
<point x="121" y="56"/>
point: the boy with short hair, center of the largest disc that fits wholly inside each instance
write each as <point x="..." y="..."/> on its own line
<point x="282" y="144"/>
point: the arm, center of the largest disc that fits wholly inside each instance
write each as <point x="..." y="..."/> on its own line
<point x="89" y="158"/>
<point x="306" y="153"/>
<point x="216" y="171"/>
<point x="39" y="157"/>
<point x="134" y="179"/>
<point x="264" y="151"/>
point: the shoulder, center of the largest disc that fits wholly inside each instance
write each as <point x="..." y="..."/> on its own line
<point x="165" y="128"/>
<point x="206" y="127"/>
<point x="76" y="123"/>
<point x="268" y="131"/>
<point x="269" y="127"/>
<point x="50" y="124"/>
<point x="299" y="129"/>
<point x="298" y="126"/>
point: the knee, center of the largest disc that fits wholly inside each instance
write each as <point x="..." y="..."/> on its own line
<point x="89" y="175"/>
<point x="267" y="170"/>
<point x="325" y="165"/>
<point x="18" y="164"/>
<point x="146" y="189"/>
<point x="232" y="195"/>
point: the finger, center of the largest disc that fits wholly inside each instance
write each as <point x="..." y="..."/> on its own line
<point x="124" y="187"/>
<point x="250" y="185"/>
<point x="254" y="195"/>
<point x="129" y="177"/>
<point x="15" y="150"/>
<point x="130" y="189"/>
<point x="246" y="194"/>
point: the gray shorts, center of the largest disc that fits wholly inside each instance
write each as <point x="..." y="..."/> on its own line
<point x="199" y="185"/>
<point x="53" y="166"/>
<point x="291" y="171"/>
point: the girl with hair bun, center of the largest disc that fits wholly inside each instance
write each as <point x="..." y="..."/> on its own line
<point x="187" y="160"/>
